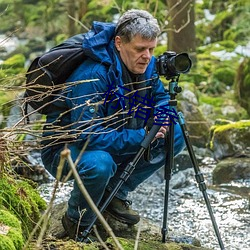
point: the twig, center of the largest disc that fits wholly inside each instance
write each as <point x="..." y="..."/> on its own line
<point x="137" y="236"/>
<point x="66" y="154"/>
<point x="99" y="238"/>
<point x="77" y="21"/>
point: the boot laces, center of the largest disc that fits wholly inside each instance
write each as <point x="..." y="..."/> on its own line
<point x="127" y="203"/>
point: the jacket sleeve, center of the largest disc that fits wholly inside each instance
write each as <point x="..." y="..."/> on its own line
<point x="88" y="115"/>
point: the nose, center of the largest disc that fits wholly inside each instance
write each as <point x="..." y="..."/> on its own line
<point x="146" y="54"/>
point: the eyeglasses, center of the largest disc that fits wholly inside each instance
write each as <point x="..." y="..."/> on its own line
<point x="124" y="24"/>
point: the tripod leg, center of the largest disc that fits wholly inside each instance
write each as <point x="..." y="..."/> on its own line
<point x="199" y="177"/>
<point x="168" y="173"/>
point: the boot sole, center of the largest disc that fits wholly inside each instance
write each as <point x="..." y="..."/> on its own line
<point x="121" y="219"/>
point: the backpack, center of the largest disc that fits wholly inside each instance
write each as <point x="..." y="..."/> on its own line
<point x="47" y="74"/>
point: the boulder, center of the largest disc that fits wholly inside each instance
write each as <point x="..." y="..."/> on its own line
<point x="231" y="139"/>
<point x="231" y="169"/>
<point x="150" y="235"/>
<point x="197" y="125"/>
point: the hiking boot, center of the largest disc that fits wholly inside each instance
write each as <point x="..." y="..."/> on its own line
<point x="121" y="211"/>
<point x="75" y="231"/>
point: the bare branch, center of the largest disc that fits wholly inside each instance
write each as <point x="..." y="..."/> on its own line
<point x="66" y="154"/>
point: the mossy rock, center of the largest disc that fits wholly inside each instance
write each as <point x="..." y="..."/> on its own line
<point x="11" y="237"/>
<point x="128" y="244"/>
<point x="231" y="139"/>
<point x="150" y="235"/>
<point x="22" y="200"/>
<point x="221" y="106"/>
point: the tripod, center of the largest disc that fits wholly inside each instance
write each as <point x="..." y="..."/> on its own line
<point x="173" y="90"/>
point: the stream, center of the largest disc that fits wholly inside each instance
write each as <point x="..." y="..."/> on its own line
<point x="187" y="212"/>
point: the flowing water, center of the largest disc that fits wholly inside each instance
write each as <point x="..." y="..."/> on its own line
<point x="187" y="212"/>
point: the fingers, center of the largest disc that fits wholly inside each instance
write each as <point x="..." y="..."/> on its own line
<point x="162" y="132"/>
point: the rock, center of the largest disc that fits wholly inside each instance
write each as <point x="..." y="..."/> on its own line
<point x="149" y="237"/>
<point x="232" y="139"/>
<point x="231" y="169"/>
<point x="188" y="95"/>
<point x="181" y="179"/>
<point x="197" y="125"/>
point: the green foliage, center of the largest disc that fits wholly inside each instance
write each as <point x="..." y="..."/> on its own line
<point x="214" y="101"/>
<point x="216" y="67"/>
<point x="229" y="23"/>
<point x="12" y="67"/>
<point x="242" y="84"/>
<point x="225" y="75"/>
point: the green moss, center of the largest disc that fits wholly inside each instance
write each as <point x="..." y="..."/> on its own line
<point x="13" y="238"/>
<point x="235" y="125"/>
<point x="9" y="219"/>
<point x="21" y="199"/>
<point x="212" y="100"/>
<point x="6" y="243"/>
<point x="13" y="71"/>
<point x="16" y="61"/>
<point x="16" y="237"/>
<point x="128" y="244"/>
<point x="225" y="75"/>
<point x="228" y="45"/>
<point x="242" y="84"/>
<point x="239" y="128"/>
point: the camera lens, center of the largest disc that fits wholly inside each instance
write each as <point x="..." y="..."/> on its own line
<point x="170" y="64"/>
<point x="182" y="63"/>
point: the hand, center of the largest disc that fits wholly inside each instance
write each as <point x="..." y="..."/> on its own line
<point x="162" y="131"/>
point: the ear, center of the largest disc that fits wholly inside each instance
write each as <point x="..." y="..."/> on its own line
<point x="118" y="42"/>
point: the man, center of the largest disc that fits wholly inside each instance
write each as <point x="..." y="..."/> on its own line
<point x="108" y="116"/>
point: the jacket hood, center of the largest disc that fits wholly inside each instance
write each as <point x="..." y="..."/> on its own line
<point x="98" y="42"/>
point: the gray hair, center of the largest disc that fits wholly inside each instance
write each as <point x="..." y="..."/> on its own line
<point x="137" y="22"/>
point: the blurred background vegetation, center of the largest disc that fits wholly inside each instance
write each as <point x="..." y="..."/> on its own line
<point x="215" y="34"/>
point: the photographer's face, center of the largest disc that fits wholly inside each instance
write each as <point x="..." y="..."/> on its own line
<point x="137" y="53"/>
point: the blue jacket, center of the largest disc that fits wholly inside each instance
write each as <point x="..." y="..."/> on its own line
<point x="91" y="115"/>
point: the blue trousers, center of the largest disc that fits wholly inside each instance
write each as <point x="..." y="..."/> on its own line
<point x="100" y="170"/>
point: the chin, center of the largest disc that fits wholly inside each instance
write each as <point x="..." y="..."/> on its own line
<point x="139" y="72"/>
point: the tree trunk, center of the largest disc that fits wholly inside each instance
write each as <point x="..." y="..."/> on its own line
<point x="71" y="6"/>
<point x="181" y="27"/>
<point x="83" y="7"/>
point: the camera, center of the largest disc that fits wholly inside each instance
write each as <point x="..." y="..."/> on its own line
<point x="171" y="65"/>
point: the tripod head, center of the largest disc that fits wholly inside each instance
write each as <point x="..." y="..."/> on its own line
<point x="174" y="89"/>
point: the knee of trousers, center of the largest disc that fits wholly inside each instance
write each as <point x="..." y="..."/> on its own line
<point x="98" y="165"/>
